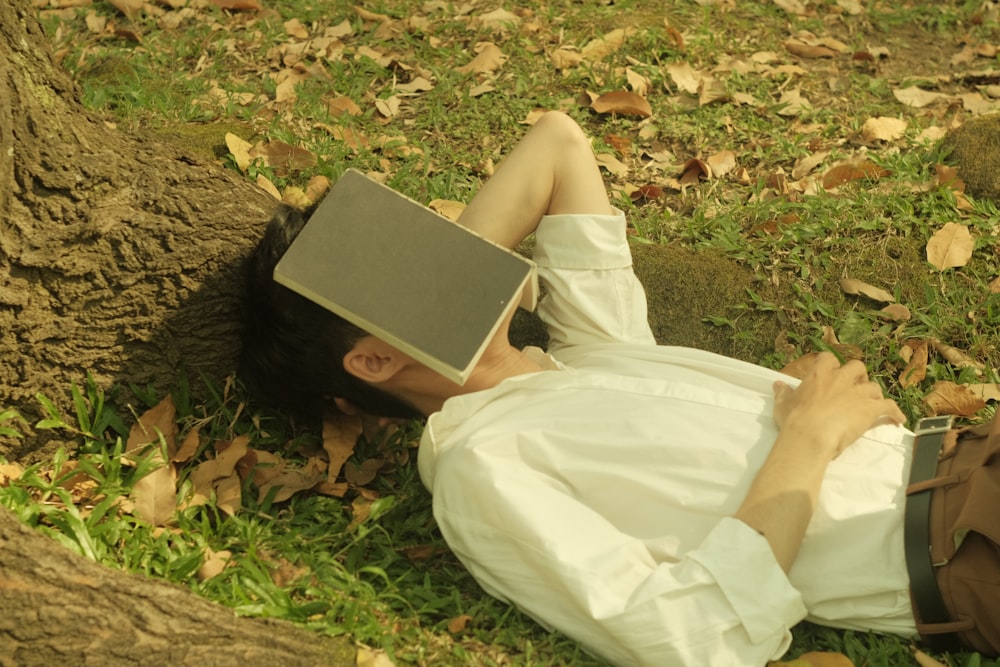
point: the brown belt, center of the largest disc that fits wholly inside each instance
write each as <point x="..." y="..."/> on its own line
<point x="924" y="588"/>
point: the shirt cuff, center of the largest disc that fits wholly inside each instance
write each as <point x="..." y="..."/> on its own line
<point x="582" y="241"/>
<point x="743" y="565"/>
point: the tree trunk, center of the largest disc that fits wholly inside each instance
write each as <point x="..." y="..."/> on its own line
<point x="118" y="255"/>
<point x="60" y="609"/>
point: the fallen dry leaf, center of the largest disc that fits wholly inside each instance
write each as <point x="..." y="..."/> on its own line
<point x="130" y="8"/>
<point x="916" y="367"/>
<point x="858" y="287"/>
<point x="851" y="170"/>
<point x="803" y="50"/>
<point x="955" y="356"/>
<point x="489" y="58"/>
<point x="985" y="391"/>
<point x="895" y="312"/>
<point x="721" y="163"/>
<point x="290" y="482"/>
<point x="448" y="208"/>
<point x="154" y="496"/>
<point x="925" y="660"/>
<point x="950" y="247"/>
<point x="792" y="103"/>
<point x="340" y="435"/>
<point x="816" y="659"/>
<point x="282" y="157"/>
<point x="685" y="77"/>
<point x="265" y="184"/>
<point x="9" y="472"/>
<point x="372" y="657"/>
<point x="237" y="5"/>
<point x="458" y="624"/>
<point x="240" y="150"/>
<point x="948" y="398"/>
<point x="622" y="102"/>
<point x="917" y="97"/>
<point x="161" y="419"/>
<point x="342" y="105"/>
<point x="883" y="128"/>
<point x="606" y="45"/>
<point x="214" y="563"/>
<point x="189" y="446"/>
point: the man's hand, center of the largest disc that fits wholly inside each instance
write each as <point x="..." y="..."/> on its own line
<point x="838" y="403"/>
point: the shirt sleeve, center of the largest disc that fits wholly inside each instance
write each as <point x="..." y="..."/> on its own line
<point x="526" y="539"/>
<point x="592" y="294"/>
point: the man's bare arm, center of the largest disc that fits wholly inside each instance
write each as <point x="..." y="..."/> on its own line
<point x="551" y="171"/>
<point x="831" y="409"/>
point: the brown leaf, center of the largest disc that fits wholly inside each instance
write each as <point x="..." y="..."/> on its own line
<point x="215" y="562"/>
<point x="342" y="105"/>
<point x="916" y="367"/>
<point x="895" y="312"/>
<point x="154" y="497"/>
<point x="9" y="472"/>
<point x="294" y="28"/>
<point x="950" y="247"/>
<point x="160" y="419"/>
<point x="622" y="102"/>
<point x="693" y="171"/>
<point x="237" y="5"/>
<point x="845" y="172"/>
<point x="363" y="474"/>
<point x="606" y="45"/>
<point x="856" y="287"/>
<point x="240" y="150"/>
<point x="189" y="446"/>
<point x="803" y="50"/>
<point x="340" y="435"/>
<point x="130" y="8"/>
<point x="283" y="157"/>
<point x="261" y="466"/>
<point x="721" y="163"/>
<point x="447" y="207"/>
<point x="816" y="659"/>
<point x="948" y="398"/>
<point x="645" y="193"/>
<point x="925" y="660"/>
<point x="986" y="391"/>
<point x="994" y="285"/>
<point x="229" y="494"/>
<point x="883" y="128"/>
<point x="955" y="356"/>
<point x="292" y="481"/>
<point x="223" y="465"/>
<point x="458" y="623"/>
<point x="489" y="58"/>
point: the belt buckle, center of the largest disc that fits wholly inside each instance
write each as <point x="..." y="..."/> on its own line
<point x="931" y="425"/>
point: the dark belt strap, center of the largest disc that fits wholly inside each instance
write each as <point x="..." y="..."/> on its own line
<point x="924" y="588"/>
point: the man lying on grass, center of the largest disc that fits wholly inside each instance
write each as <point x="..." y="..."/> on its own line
<point x="662" y="505"/>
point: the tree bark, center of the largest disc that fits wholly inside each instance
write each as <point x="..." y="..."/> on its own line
<point x="60" y="609"/>
<point x="118" y="255"/>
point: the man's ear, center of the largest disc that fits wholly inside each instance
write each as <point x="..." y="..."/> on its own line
<point x="373" y="360"/>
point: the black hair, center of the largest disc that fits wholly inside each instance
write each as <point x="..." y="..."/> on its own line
<point x="293" y="349"/>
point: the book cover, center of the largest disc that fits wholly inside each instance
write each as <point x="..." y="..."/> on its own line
<point x="426" y="285"/>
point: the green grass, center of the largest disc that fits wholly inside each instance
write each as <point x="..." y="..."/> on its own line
<point x="306" y="560"/>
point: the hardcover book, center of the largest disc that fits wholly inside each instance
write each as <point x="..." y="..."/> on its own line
<point x="420" y="282"/>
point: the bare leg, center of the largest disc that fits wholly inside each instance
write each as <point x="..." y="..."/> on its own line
<point x="551" y="171"/>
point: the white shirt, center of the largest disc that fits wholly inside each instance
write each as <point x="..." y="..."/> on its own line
<point x="597" y="496"/>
